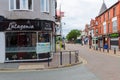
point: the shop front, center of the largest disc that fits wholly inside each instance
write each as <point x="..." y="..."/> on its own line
<point x="115" y="41"/>
<point x="100" y="41"/>
<point x="95" y="42"/>
<point x="19" y="39"/>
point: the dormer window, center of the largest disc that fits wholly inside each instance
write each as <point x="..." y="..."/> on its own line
<point x="21" y="4"/>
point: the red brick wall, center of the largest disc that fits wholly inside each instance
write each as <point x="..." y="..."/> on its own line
<point x="101" y="19"/>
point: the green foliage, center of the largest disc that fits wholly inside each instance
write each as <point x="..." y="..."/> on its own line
<point x="73" y="34"/>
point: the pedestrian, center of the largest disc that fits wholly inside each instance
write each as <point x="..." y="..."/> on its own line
<point x="63" y="45"/>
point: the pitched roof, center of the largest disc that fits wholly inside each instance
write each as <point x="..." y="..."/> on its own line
<point x="103" y="8"/>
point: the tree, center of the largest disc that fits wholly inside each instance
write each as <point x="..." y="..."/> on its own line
<point x="73" y="34"/>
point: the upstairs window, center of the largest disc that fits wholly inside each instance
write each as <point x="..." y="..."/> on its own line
<point x="104" y="17"/>
<point x="104" y="28"/>
<point x="53" y="6"/>
<point x="20" y="4"/>
<point x="44" y="4"/>
<point x="108" y="27"/>
<point x="108" y="15"/>
<point x="114" y="12"/>
<point x="114" y="24"/>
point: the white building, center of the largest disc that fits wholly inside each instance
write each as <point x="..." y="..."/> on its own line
<point x="27" y="29"/>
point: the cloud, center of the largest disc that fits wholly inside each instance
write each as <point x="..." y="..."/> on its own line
<point x="79" y="12"/>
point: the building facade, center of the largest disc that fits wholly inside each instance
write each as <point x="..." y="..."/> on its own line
<point x="27" y="29"/>
<point x="108" y="26"/>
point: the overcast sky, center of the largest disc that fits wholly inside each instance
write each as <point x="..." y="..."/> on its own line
<point x="79" y="12"/>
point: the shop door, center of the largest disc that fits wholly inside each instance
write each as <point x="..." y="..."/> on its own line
<point x="21" y="42"/>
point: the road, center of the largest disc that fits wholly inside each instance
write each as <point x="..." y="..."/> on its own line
<point x="99" y="67"/>
<point x="105" y="66"/>
<point x="72" y="73"/>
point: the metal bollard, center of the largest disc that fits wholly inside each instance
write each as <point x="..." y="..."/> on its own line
<point x="69" y="57"/>
<point x="100" y="48"/>
<point x="94" y="48"/>
<point x="114" y="50"/>
<point x="60" y="58"/>
<point x="108" y="50"/>
<point x="89" y="46"/>
<point x="48" y="59"/>
<point x="103" y="49"/>
<point x="76" y="57"/>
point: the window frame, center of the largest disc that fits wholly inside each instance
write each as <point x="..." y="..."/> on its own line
<point x="53" y="6"/>
<point x="104" y="28"/>
<point x="108" y="15"/>
<point x="114" y="11"/>
<point x="21" y="5"/>
<point x="45" y="7"/>
<point x="114" y="26"/>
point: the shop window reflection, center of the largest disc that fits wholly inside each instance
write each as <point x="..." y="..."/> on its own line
<point x="44" y="37"/>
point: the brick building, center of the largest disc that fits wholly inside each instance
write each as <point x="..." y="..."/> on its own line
<point x="107" y="27"/>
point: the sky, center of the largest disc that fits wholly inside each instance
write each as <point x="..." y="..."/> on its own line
<point x="77" y="13"/>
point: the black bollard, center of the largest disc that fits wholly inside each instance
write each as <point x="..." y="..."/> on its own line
<point x="89" y="46"/>
<point x="108" y="50"/>
<point x="69" y="57"/>
<point x="100" y="48"/>
<point x="103" y="49"/>
<point x="76" y="57"/>
<point x="48" y="59"/>
<point x="60" y="58"/>
<point x="114" y="50"/>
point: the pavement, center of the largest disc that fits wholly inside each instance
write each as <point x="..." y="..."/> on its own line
<point x="54" y="63"/>
<point x="105" y="51"/>
<point x="96" y="65"/>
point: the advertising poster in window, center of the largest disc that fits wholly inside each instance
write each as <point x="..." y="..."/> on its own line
<point x="43" y="48"/>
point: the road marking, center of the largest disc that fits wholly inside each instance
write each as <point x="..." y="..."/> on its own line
<point x="31" y="66"/>
<point x="84" y="61"/>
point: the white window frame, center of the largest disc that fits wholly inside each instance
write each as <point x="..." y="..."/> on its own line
<point x="104" y="27"/>
<point x="46" y="6"/>
<point x="114" y="24"/>
<point x="21" y="5"/>
<point x="53" y="5"/>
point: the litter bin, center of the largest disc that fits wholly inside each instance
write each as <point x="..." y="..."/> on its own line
<point x="105" y="46"/>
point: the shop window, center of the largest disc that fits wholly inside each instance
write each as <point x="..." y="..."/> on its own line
<point x="114" y="42"/>
<point x="21" y="4"/>
<point x="44" y="37"/>
<point x="21" y="39"/>
<point x="20" y="56"/>
<point x="44" y="4"/>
